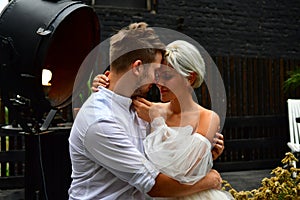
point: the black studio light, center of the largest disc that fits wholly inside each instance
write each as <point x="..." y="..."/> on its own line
<point x="39" y="38"/>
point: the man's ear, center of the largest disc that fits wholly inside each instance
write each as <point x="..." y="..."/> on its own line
<point x="137" y="67"/>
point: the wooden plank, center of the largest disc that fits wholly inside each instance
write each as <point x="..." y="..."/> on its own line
<point x="247" y="165"/>
<point x="252" y="143"/>
<point x="245" y="87"/>
<point x="12" y="156"/>
<point x="3" y="148"/>
<point x="282" y="70"/>
<point x="256" y="121"/>
<point x="12" y="182"/>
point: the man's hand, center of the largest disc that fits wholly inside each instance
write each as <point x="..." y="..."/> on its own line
<point x="167" y="187"/>
<point x="213" y="180"/>
<point x="219" y="146"/>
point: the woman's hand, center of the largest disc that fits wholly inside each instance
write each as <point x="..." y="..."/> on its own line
<point x="219" y="146"/>
<point x="100" y="80"/>
<point x="157" y="110"/>
<point x="142" y="107"/>
<point x="148" y="110"/>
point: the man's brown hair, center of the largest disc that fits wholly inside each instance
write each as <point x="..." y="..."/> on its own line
<point x="135" y="42"/>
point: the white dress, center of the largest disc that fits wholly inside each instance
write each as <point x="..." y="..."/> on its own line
<point x="182" y="155"/>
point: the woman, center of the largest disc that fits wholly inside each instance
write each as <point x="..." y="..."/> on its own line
<point x="182" y="131"/>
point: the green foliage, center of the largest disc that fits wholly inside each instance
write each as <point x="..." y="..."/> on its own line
<point x="86" y="93"/>
<point x="293" y="81"/>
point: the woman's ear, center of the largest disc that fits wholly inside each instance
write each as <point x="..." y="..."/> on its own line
<point x="137" y="67"/>
<point x="192" y="78"/>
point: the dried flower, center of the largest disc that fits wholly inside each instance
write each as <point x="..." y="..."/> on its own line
<point x="284" y="185"/>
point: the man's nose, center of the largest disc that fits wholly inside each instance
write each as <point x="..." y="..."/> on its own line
<point x="156" y="78"/>
<point x="160" y="81"/>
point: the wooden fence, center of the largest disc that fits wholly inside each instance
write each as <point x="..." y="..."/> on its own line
<point x="256" y="126"/>
<point x="12" y="159"/>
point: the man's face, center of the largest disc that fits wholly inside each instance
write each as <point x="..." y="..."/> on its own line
<point x="147" y="77"/>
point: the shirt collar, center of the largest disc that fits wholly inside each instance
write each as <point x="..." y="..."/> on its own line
<point x="119" y="99"/>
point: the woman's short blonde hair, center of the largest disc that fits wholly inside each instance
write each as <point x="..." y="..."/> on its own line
<point x="186" y="59"/>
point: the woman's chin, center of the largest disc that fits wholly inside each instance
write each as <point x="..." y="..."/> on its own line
<point x="164" y="99"/>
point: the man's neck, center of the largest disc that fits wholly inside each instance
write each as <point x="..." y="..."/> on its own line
<point x="121" y="84"/>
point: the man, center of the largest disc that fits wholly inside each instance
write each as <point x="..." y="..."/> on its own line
<point x="106" y="141"/>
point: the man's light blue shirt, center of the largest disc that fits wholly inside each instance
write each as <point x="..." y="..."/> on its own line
<point x="106" y="149"/>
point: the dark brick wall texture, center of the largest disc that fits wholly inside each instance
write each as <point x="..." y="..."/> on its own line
<point x="265" y="28"/>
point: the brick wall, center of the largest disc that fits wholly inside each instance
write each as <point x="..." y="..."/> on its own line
<point x="242" y="28"/>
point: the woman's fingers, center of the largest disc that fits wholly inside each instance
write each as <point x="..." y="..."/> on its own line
<point x="95" y="84"/>
<point x="100" y="80"/>
<point x="142" y="109"/>
<point x="144" y="101"/>
<point x="103" y="80"/>
<point x="219" y="146"/>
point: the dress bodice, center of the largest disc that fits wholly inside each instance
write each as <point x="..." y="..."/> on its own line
<point x="178" y="152"/>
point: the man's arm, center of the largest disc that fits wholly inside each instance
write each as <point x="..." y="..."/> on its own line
<point x="168" y="187"/>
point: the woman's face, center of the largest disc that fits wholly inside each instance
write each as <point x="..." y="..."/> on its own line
<point x="170" y="83"/>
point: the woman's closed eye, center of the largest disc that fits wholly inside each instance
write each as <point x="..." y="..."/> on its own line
<point x="166" y="75"/>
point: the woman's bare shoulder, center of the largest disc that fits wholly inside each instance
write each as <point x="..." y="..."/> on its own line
<point x="208" y="114"/>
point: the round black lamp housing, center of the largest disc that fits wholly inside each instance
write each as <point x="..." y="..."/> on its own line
<point x="37" y="35"/>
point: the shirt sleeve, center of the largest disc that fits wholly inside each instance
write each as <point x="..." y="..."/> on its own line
<point x="110" y="146"/>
